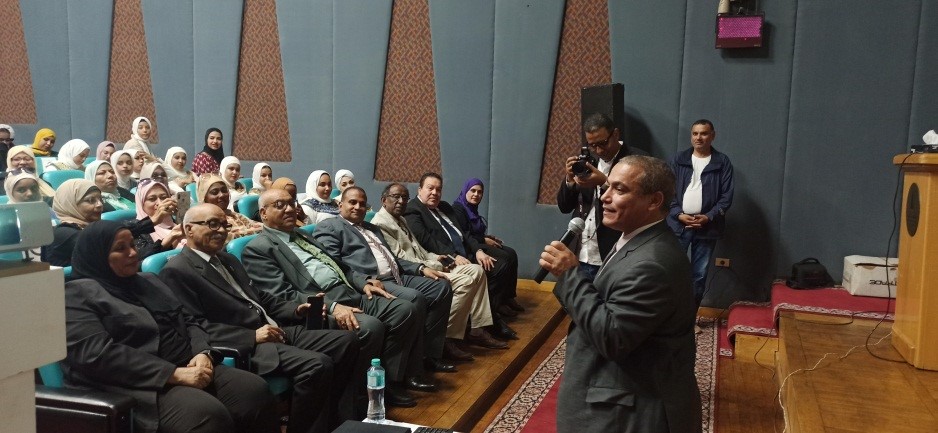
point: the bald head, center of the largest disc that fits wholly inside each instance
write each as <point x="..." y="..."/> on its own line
<point x="278" y="210"/>
<point x="197" y="225"/>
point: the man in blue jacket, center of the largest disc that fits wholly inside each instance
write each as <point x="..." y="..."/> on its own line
<point x="703" y="194"/>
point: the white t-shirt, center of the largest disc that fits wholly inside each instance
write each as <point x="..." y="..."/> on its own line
<point x="693" y="195"/>
<point x="589" y="245"/>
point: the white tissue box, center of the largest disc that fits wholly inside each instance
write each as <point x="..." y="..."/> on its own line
<point x="866" y="276"/>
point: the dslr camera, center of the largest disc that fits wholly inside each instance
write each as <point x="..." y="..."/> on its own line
<point x="579" y="167"/>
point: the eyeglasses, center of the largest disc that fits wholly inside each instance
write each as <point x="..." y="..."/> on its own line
<point x="6" y="140"/>
<point x="602" y="143"/>
<point x="399" y="197"/>
<point x="23" y="158"/>
<point x="282" y="204"/>
<point x="215" y="225"/>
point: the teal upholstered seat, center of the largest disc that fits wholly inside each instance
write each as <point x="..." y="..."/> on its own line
<point x="247" y="206"/>
<point x="154" y="264"/>
<point x="58" y="177"/>
<point x="308" y="229"/>
<point x="248" y="183"/>
<point x="120" y="215"/>
<point x="235" y="247"/>
<point x="52" y="375"/>
<point x="192" y="188"/>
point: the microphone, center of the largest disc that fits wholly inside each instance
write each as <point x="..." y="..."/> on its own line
<point x="574" y="229"/>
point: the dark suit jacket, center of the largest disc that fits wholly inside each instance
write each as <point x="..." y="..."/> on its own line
<point x="275" y="269"/>
<point x="230" y="320"/>
<point x="113" y="345"/>
<point x="349" y="245"/>
<point x="431" y="235"/>
<point x="631" y="349"/>
<point x="579" y="202"/>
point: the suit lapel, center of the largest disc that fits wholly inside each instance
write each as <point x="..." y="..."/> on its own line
<point x="286" y="254"/>
<point x="209" y="273"/>
<point x="634" y="244"/>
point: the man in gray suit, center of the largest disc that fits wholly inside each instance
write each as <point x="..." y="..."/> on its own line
<point x="292" y="265"/>
<point x="631" y="344"/>
<point x="361" y="246"/>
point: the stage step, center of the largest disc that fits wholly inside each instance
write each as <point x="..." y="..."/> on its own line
<point x="466" y="395"/>
<point x="859" y="393"/>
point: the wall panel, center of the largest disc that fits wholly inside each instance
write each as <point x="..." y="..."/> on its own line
<point x="215" y="44"/>
<point x="527" y="39"/>
<point x="48" y="65"/>
<point x="16" y="83"/>
<point x="171" y="61"/>
<point x="89" y="53"/>
<point x="924" y="109"/>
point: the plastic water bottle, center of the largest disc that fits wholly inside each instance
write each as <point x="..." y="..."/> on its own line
<point x="375" y="392"/>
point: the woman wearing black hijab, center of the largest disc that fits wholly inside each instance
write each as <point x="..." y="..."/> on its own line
<point x="209" y="159"/>
<point x="127" y="334"/>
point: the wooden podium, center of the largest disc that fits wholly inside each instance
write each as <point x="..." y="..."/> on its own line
<point x="915" y="331"/>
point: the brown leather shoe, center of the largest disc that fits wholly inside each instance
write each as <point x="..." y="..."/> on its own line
<point x="452" y="351"/>
<point x="483" y="339"/>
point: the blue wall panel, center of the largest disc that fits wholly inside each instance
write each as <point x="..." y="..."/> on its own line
<point x="306" y="50"/>
<point x="216" y="34"/>
<point x="646" y="44"/>
<point x="463" y="43"/>
<point x="745" y="93"/>
<point x="89" y="54"/>
<point x="850" y="99"/>
<point x="924" y="108"/>
<point x="362" y="29"/>
<point x="527" y="39"/>
<point x="45" y="25"/>
<point x="171" y="62"/>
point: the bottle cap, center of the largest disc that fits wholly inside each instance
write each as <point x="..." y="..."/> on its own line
<point x="375" y="362"/>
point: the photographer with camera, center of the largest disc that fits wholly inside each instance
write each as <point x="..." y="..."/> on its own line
<point x="585" y="182"/>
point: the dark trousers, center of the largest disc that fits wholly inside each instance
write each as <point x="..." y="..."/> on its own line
<point x="394" y="325"/>
<point x="502" y="278"/>
<point x="235" y="401"/>
<point x="320" y="365"/>
<point x="435" y="298"/>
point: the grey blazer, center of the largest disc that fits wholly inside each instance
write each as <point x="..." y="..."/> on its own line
<point x="275" y="269"/>
<point x="631" y="348"/>
<point x="349" y="245"/>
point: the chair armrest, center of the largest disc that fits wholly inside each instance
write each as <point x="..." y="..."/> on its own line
<point x="242" y="358"/>
<point x="79" y="410"/>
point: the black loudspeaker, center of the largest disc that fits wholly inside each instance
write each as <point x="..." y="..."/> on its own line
<point x="608" y="99"/>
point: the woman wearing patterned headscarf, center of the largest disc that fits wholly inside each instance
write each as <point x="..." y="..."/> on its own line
<point x="209" y="159"/>
<point x="72" y="156"/>
<point x="42" y="144"/>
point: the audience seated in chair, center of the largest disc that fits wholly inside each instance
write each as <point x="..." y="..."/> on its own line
<point x="213" y="190"/>
<point x="434" y="224"/>
<point x="102" y="173"/>
<point x="71" y="156"/>
<point x="43" y="143"/>
<point x="209" y="159"/>
<point x="139" y="141"/>
<point x="104" y="151"/>
<point x="319" y="205"/>
<point x="127" y="334"/>
<point x="21" y="157"/>
<point x="153" y="202"/>
<point x="470" y="287"/>
<point x="290" y="264"/>
<point x="230" y="173"/>
<point x="360" y="245"/>
<point x="289" y="186"/>
<point x="261" y="178"/>
<point x="213" y="285"/>
<point x="122" y="163"/>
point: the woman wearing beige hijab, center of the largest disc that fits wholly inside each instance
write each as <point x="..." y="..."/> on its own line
<point x="21" y="157"/>
<point x="77" y="203"/>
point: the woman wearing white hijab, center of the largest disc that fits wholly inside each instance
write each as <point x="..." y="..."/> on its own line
<point x="122" y="162"/>
<point x="175" y="166"/>
<point x="262" y="177"/>
<point x="140" y="137"/>
<point x="71" y="157"/>
<point x="344" y="179"/>
<point x="318" y="205"/>
<point x="230" y="172"/>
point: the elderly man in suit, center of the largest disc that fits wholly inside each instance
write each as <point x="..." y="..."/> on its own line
<point x="361" y="245"/>
<point x="470" y="287"/>
<point x="630" y="364"/>
<point x="288" y="263"/>
<point x="213" y="286"/>
<point x="433" y="222"/>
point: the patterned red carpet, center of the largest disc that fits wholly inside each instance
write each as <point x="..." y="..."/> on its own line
<point x="533" y="408"/>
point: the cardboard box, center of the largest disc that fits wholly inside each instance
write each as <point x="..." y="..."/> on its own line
<point x="866" y="276"/>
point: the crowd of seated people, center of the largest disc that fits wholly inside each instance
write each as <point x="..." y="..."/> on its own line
<point x="414" y="287"/>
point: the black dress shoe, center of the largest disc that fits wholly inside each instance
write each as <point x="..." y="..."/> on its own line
<point x="514" y="305"/>
<point x="505" y="311"/>
<point x="452" y="352"/>
<point x="502" y="331"/>
<point x="398" y="398"/>
<point x="438" y="366"/>
<point x="418" y="384"/>
<point x="485" y="340"/>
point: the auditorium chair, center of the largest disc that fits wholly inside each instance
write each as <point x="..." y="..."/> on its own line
<point x="369" y="215"/>
<point x="154" y="264"/>
<point x="247" y="182"/>
<point x="120" y="215"/>
<point x="4" y="199"/>
<point x="236" y="246"/>
<point x="247" y="206"/>
<point x="308" y="229"/>
<point x="193" y="191"/>
<point x="60" y="409"/>
<point x="58" y="177"/>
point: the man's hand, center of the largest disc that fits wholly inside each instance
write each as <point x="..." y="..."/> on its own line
<point x="492" y="241"/>
<point x="433" y="273"/>
<point x="557" y="258"/>
<point x="693" y="221"/>
<point x="592" y="180"/>
<point x="460" y="260"/>
<point x="196" y="377"/>
<point x="344" y="316"/>
<point x="201" y="360"/>
<point x="372" y="289"/>
<point x="487" y="261"/>
<point x="269" y="334"/>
